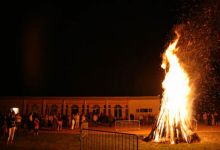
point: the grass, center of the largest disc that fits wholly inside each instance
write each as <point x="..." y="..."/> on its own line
<point x="45" y="141"/>
<point x="210" y="140"/>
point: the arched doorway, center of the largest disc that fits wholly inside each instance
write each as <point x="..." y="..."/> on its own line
<point x="66" y="113"/>
<point x="74" y="109"/>
<point x="47" y="110"/>
<point x="54" y="109"/>
<point x="96" y="109"/>
<point x="118" y="111"/>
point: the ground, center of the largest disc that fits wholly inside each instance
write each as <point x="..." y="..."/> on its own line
<point x="69" y="140"/>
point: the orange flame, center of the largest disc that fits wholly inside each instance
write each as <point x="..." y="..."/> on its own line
<point x="175" y="114"/>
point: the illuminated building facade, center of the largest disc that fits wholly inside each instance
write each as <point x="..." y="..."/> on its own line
<point x="118" y="107"/>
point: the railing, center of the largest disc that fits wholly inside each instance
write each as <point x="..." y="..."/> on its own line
<point x="124" y="125"/>
<point x="105" y="140"/>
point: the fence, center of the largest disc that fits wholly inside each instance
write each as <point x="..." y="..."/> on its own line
<point x="105" y="140"/>
<point x="121" y="125"/>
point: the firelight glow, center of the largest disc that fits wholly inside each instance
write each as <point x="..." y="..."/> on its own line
<point x="175" y="114"/>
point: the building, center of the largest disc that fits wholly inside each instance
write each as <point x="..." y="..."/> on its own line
<point x="119" y="107"/>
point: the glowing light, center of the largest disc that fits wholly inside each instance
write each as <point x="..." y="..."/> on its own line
<point x="16" y="110"/>
<point x="175" y="114"/>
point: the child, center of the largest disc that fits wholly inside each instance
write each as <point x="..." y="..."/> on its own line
<point x="36" y="126"/>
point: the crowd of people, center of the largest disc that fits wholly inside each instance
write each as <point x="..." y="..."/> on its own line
<point x="209" y="118"/>
<point x="12" y="124"/>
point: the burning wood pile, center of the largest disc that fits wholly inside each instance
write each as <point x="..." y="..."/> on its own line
<point x="174" y="122"/>
<point x="191" y="73"/>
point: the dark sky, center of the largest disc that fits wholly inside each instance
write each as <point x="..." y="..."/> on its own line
<point x="100" y="48"/>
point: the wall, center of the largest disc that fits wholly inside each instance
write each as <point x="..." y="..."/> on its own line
<point x="40" y="104"/>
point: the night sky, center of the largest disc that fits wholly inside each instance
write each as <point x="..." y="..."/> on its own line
<point x="99" y="48"/>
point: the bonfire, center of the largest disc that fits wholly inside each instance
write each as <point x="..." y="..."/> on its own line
<point x="174" y="123"/>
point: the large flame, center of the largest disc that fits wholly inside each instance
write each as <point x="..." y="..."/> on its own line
<point x="175" y="114"/>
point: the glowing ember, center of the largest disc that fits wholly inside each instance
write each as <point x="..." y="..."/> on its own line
<point x="174" y="119"/>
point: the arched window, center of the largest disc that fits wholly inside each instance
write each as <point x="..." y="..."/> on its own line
<point x="118" y="111"/>
<point x="83" y="109"/>
<point x="96" y="109"/>
<point x="87" y="110"/>
<point x="47" y="110"/>
<point x="109" y="110"/>
<point x="54" y="109"/>
<point x="62" y="109"/>
<point x="126" y="112"/>
<point x="27" y="108"/>
<point x="104" y="110"/>
<point x="74" y="109"/>
<point x="66" y="113"/>
<point x="35" y="108"/>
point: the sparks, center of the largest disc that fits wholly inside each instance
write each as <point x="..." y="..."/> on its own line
<point x="175" y="114"/>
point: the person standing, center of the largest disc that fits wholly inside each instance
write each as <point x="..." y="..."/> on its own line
<point x="50" y="121"/>
<point x="30" y="121"/>
<point x="4" y="129"/>
<point x="18" y="119"/>
<point x="60" y="123"/>
<point x="11" y="127"/>
<point x="55" y="122"/>
<point x="213" y="119"/>
<point x="209" y="117"/>
<point x="216" y="118"/>
<point x="83" y="118"/>
<point x="77" y="121"/>
<point x="73" y="122"/>
<point x="36" y="126"/>
<point x="204" y="116"/>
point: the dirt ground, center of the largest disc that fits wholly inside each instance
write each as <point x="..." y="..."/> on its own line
<point x="69" y="140"/>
